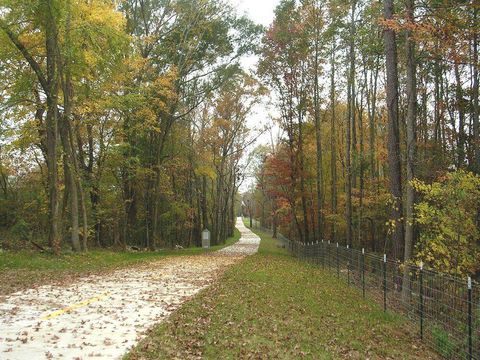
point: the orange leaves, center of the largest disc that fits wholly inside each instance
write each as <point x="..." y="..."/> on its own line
<point x="441" y="31"/>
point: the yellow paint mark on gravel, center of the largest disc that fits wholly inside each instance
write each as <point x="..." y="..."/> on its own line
<point x="75" y="306"/>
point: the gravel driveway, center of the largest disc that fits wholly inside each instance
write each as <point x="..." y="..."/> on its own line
<point x="103" y="316"/>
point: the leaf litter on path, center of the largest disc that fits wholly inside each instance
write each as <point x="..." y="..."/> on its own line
<point x="103" y="316"/>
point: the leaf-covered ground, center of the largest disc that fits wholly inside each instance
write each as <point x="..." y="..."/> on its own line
<point x="272" y="306"/>
<point x="26" y="269"/>
<point x="105" y="315"/>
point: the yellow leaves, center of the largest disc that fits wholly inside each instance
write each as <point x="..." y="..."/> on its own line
<point x="205" y="170"/>
<point x="148" y="120"/>
<point x="32" y="40"/>
<point x="99" y="13"/>
<point x="163" y="92"/>
<point x="97" y="36"/>
<point x="448" y="233"/>
<point x="90" y="58"/>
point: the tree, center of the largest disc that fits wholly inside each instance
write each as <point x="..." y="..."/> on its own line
<point x="47" y="80"/>
<point x="393" y="132"/>
<point x="316" y="24"/>
<point x="411" y="124"/>
<point x="108" y="122"/>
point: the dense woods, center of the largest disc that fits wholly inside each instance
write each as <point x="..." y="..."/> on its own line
<point x="378" y="108"/>
<point x="125" y="123"/>
<point x="122" y="122"/>
<point x="346" y="132"/>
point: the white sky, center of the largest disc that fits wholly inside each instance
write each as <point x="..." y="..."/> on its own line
<point x="261" y="12"/>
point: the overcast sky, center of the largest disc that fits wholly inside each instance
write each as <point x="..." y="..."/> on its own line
<point x="261" y="12"/>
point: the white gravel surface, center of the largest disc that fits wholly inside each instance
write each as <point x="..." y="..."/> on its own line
<point x="247" y="245"/>
<point x="103" y="316"/>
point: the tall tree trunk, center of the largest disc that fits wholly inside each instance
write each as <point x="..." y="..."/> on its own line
<point x="333" y="143"/>
<point x="318" y="135"/>
<point x="70" y="128"/>
<point x="461" y="118"/>
<point x="437" y="120"/>
<point x="475" y="120"/>
<point x="348" y="140"/>
<point x="302" y="179"/>
<point x="231" y="230"/>
<point x="293" y="171"/>
<point x="411" y="147"/>
<point x="70" y="164"/>
<point x="372" y="105"/>
<point x="375" y="166"/>
<point x="131" y="212"/>
<point x="353" y="96"/>
<point x="70" y="178"/>
<point x="52" y="126"/>
<point x="361" y="159"/>
<point x="393" y="143"/>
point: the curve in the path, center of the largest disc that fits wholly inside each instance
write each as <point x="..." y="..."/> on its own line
<point x="103" y="316"/>
<point x="247" y="245"/>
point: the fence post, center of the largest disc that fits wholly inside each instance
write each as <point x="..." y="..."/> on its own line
<point x="348" y="265"/>
<point x="384" y="282"/>
<point x="421" y="300"/>
<point x="338" y="265"/>
<point x="469" y="319"/>
<point x="329" y="263"/>
<point x="363" y="272"/>
<point x="323" y="255"/>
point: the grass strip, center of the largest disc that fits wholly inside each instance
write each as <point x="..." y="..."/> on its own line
<point x="272" y="306"/>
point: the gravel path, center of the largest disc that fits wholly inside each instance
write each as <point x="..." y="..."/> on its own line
<point x="103" y="316"/>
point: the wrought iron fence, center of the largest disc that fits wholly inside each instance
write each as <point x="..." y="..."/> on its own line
<point x="445" y="308"/>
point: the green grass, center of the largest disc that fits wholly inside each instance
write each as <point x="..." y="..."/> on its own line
<point x="93" y="259"/>
<point x="272" y="306"/>
<point x="26" y="268"/>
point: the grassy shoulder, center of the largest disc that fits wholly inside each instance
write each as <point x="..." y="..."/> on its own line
<point x="27" y="268"/>
<point x="272" y="306"/>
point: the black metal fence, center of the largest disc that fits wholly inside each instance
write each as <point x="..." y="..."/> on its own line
<point x="445" y="308"/>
